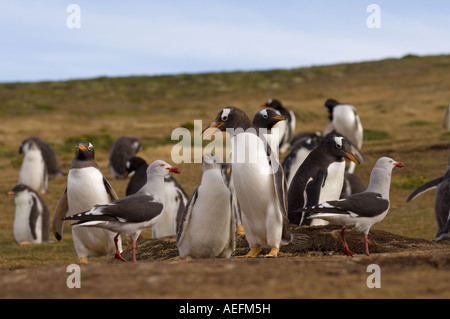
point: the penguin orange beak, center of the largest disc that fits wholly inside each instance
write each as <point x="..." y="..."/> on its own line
<point x="82" y="147"/>
<point x="10" y="193"/>
<point x="211" y="129"/>
<point x="352" y="158"/>
<point x="279" y="118"/>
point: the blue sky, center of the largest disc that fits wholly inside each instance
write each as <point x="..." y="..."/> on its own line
<point x="124" y="38"/>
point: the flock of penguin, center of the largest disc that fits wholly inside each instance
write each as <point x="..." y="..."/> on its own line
<point x="313" y="185"/>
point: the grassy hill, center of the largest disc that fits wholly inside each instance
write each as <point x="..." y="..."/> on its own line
<point x="401" y="103"/>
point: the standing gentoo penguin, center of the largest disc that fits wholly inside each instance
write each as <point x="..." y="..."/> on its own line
<point x="320" y="177"/>
<point x="258" y="181"/>
<point x="174" y="204"/>
<point x="124" y="148"/>
<point x="441" y="202"/>
<point x="207" y="228"/>
<point x="86" y="187"/>
<point x="48" y="154"/>
<point x="287" y="128"/>
<point x="32" y="218"/>
<point x="266" y="119"/>
<point x="303" y="144"/>
<point x="33" y="171"/>
<point x="131" y="214"/>
<point x="345" y="120"/>
<point x="361" y="210"/>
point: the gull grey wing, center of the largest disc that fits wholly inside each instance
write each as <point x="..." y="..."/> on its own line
<point x="365" y="204"/>
<point x="424" y="188"/>
<point x="130" y="209"/>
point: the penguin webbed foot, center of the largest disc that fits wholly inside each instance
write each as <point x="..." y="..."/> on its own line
<point x="273" y="253"/>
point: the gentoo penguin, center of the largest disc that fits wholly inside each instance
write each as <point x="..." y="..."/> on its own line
<point x="86" y="187"/>
<point x="175" y="199"/>
<point x="33" y="171"/>
<point x="32" y="218"/>
<point x="287" y="127"/>
<point x="258" y="181"/>
<point x="301" y="146"/>
<point x="207" y="228"/>
<point x="124" y="148"/>
<point x="131" y="214"/>
<point x="361" y="210"/>
<point x="48" y="154"/>
<point x="441" y="202"/>
<point x="345" y="120"/>
<point x="320" y="177"/>
<point x="267" y="119"/>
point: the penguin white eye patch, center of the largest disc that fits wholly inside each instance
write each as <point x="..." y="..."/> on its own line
<point x="338" y="140"/>
<point x="225" y="113"/>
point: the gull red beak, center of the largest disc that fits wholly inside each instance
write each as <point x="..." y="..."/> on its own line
<point x="399" y="164"/>
<point x="174" y="169"/>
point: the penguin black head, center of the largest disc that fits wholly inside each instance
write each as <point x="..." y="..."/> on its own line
<point x="134" y="163"/>
<point x="18" y="189"/>
<point x="330" y="104"/>
<point x="229" y="117"/>
<point x="273" y="103"/>
<point x="84" y="151"/>
<point x="339" y="147"/>
<point x="267" y="118"/>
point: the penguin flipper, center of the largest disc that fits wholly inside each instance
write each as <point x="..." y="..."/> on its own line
<point x="112" y="194"/>
<point x="60" y="212"/>
<point x="424" y="188"/>
<point x="312" y="192"/>
<point x="281" y="193"/>
<point x="184" y="220"/>
<point x="32" y="219"/>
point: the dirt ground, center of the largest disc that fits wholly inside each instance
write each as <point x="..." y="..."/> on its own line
<point x="313" y="268"/>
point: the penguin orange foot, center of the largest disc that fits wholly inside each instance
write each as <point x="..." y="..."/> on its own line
<point x="273" y="253"/>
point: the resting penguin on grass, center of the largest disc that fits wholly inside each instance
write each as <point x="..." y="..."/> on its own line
<point x="320" y="177"/>
<point x="86" y="187"/>
<point x="48" y="154"/>
<point x="207" y="228"/>
<point x="258" y="181"/>
<point x="32" y="217"/>
<point x="33" y="171"/>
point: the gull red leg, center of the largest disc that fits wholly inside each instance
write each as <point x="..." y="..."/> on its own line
<point x="346" y="250"/>
<point x="118" y="255"/>
<point x="366" y="243"/>
<point x="133" y="248"/>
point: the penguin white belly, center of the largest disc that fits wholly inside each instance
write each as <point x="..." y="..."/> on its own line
<point x="166" y="224"/>
<point x="254" y="185"/>
<point x="86" y="190"/>
<point x="22" y="232"/>
<point x="32" y="171"/>
<point x="302" y="153"/>
<point x="208" y="233"/>
<point x="332" y="188"/>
